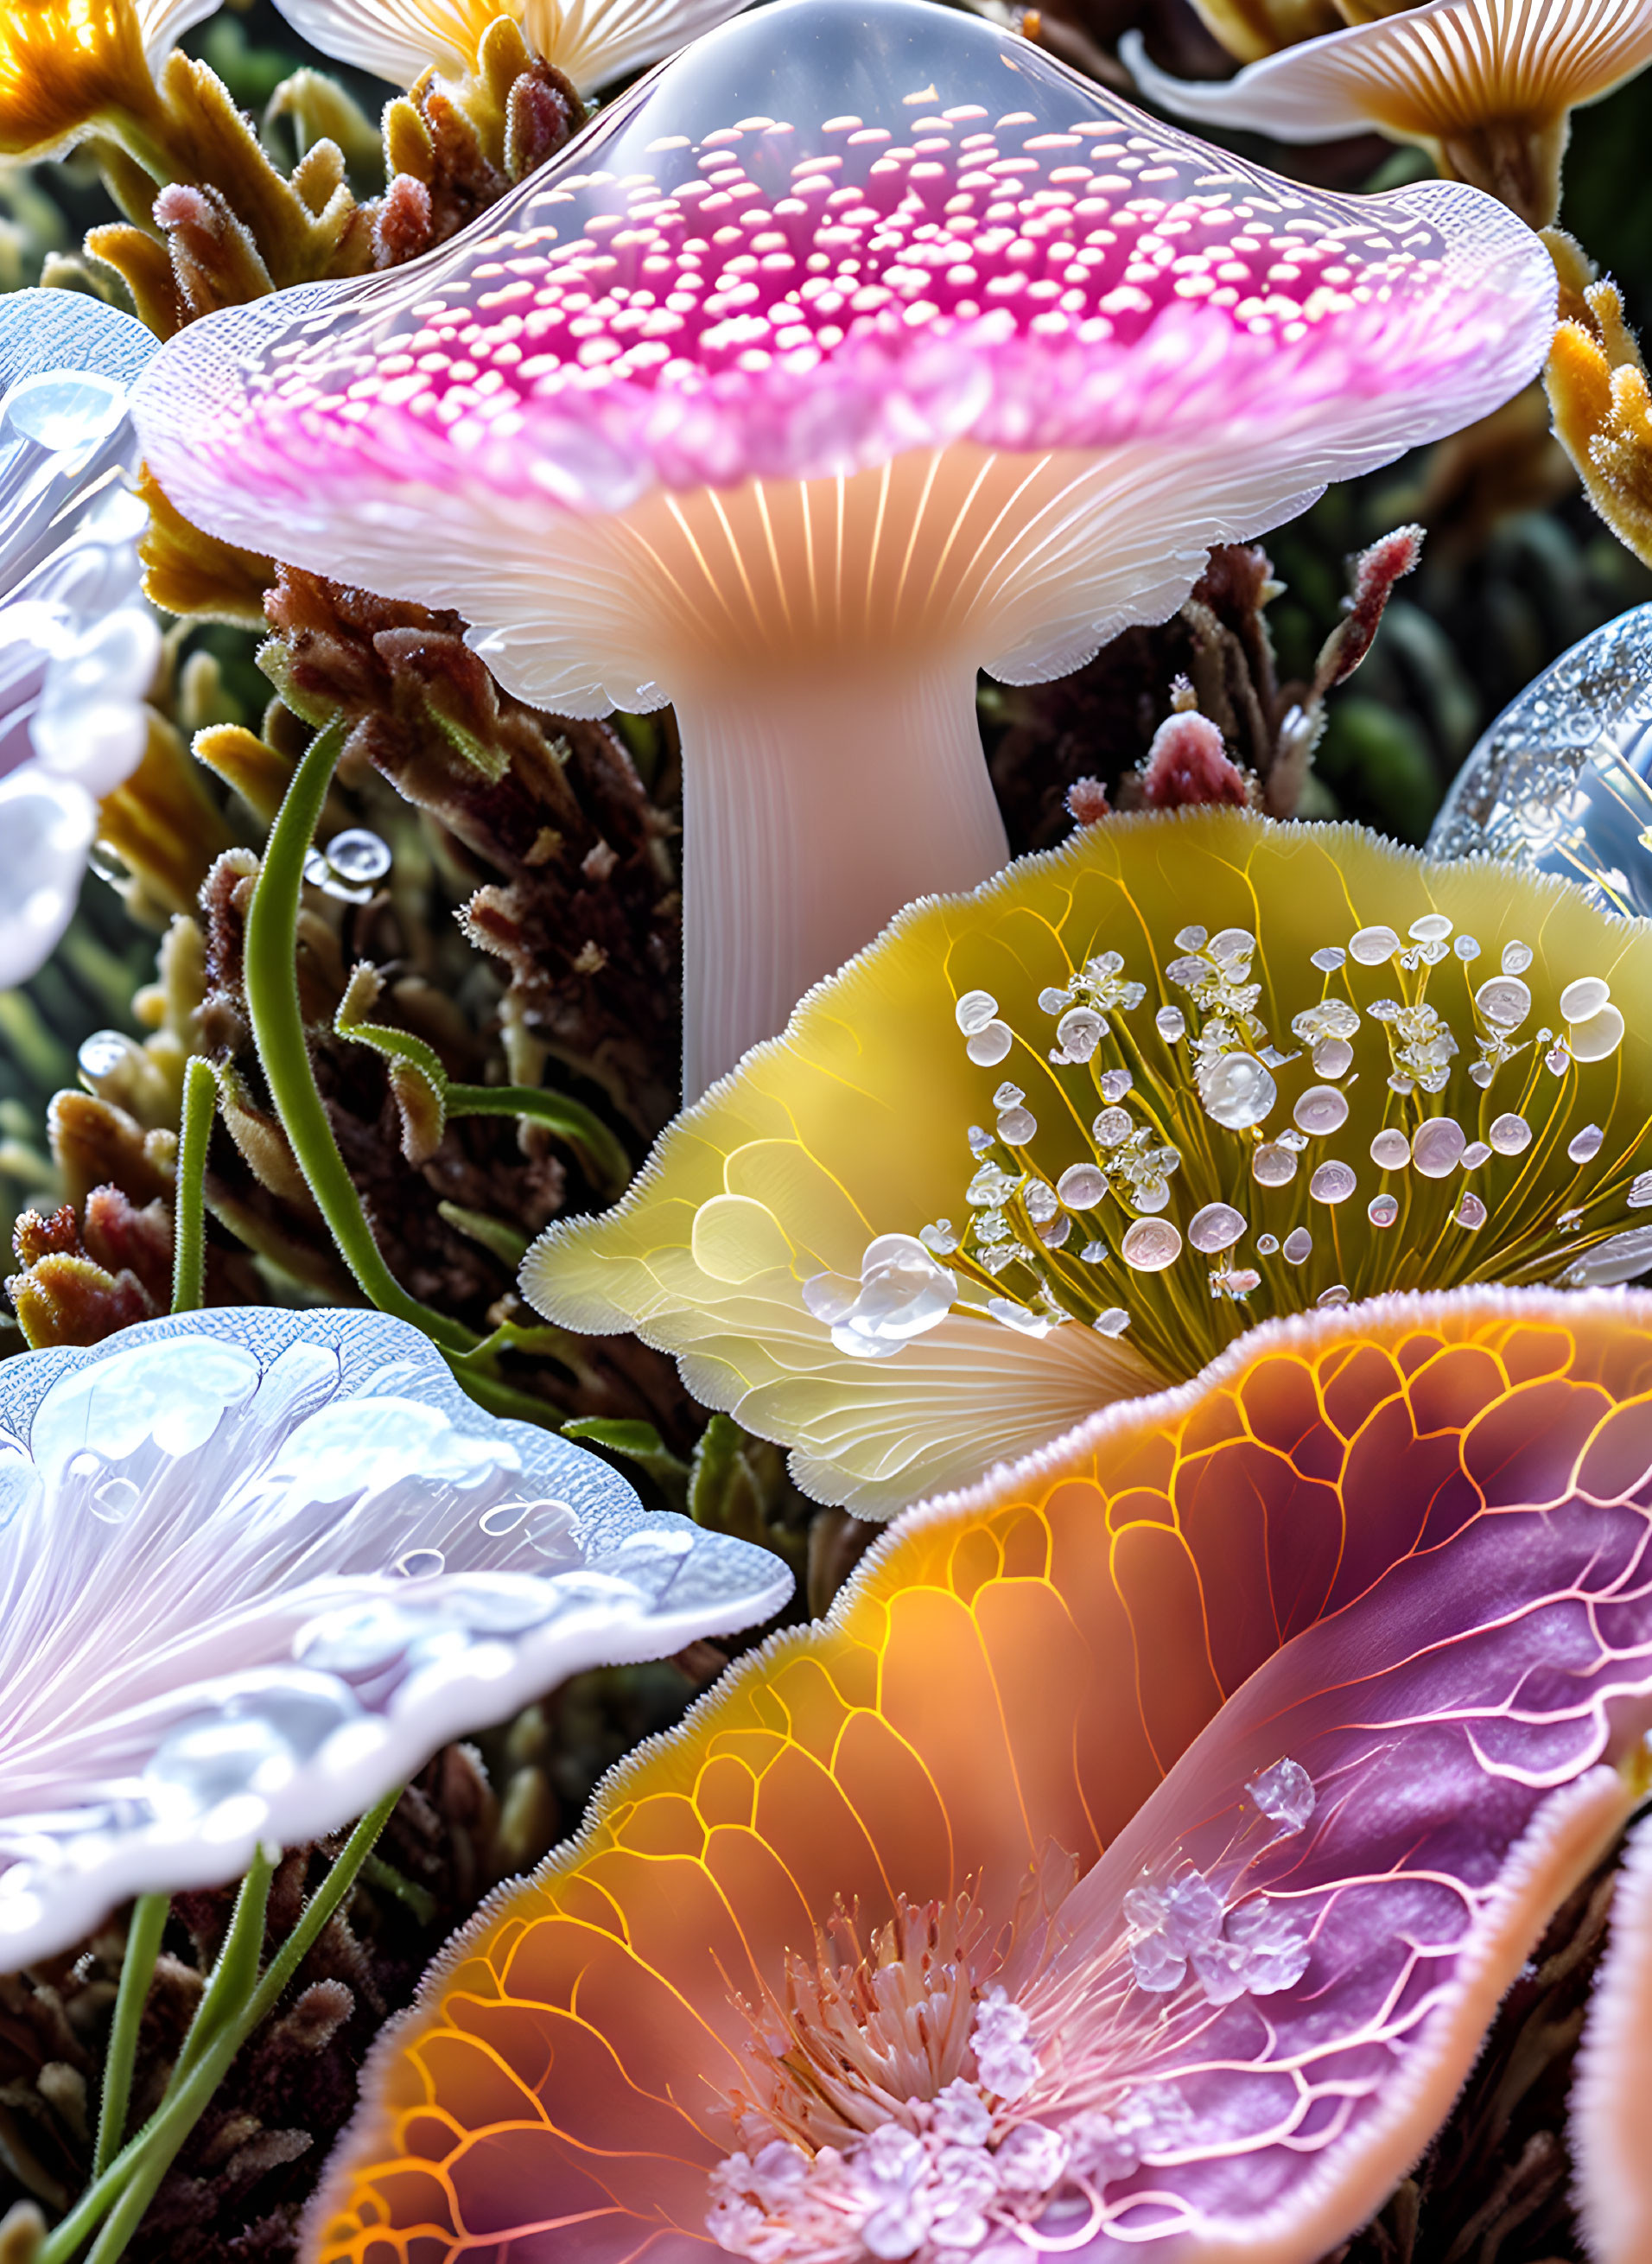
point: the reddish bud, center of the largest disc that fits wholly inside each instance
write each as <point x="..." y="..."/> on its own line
<point x="1087" y="802"/>
<point x="1187" y="763"/>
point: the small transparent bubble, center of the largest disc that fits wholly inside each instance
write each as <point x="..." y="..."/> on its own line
<point x="1094" y="1253"/>
<point x="1017" y="1126"/>
<point x="1053" y="1001"/>
<point x="1267" y="1244"/>
<point x="1328" y="1299"/>
<point x="1382" y="1210"/>
<point x="1298" y="1246"/>
<point x="1082" y="1186"/>
<point x="1191" y="939"/>
<point x="419" y="1565"/>
<point x="1433" y="927"/>
<point x="1320" y="1109"/>
<point x="1598" y="1037"/>
<point x="104" y="1052"/>
<point x="1284" y="1794"/>
<point x="1557" y="1060"/>
<point x="1510" y="1135"/>
<point x="1151" y="1245"/>
<point x="1230" y="944"/>
<point x="1466" y="947"/>
<point x="1584" y="1146"/>
<point x="1329" y="959"/>
<point x="1217" y="1227"/>
<point x="1373" y="945"/>
<point x="503" y="1518"/>
<point x="1272" y="1165"/>
<point x="1080" y="1031"/>
<point x="1236" y="1090"/>
<point x="1482" y="1072"/>
<point x="114" y="1499"/>
<point x="1470" y="1211"/>
<point x="1474" y="1154"/>
<point x="987" y="1046"/>
<point x="1437" y="1146"/>
<point x="359" y="857"/>
<point x="1111" y="1126"/>
<point x="1112" y="1323"/>
<point x="1008" y="1095"/>
<point x="1170" y="1023"/>
<point x="1391" y="1151"/>
<point x="1505" y="1000"/>
<point x="974" y="1010"/>
<point x="1333" y="1057"/>
<point x="1332" y="1183"/>
<point x="1517" y="957"/>
<point x="1115" y="1083"/>
<point x="1585" y="998"/>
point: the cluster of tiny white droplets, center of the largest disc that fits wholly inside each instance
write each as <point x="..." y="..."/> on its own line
<point x="959" y="2179"/>
<point x="1083" y="236"/>
<point x="1040" y="1248"/>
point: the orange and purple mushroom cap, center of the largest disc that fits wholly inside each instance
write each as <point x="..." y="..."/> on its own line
<point x="856" y="349"/>
<point x="1136" y="1854"/>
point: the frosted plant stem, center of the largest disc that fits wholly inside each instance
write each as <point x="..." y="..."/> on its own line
<point x="137" y="1969"/>
<point x="278" y="1030"/>
<point x="189" y="1222"/>
<point x="236" y="2004"/>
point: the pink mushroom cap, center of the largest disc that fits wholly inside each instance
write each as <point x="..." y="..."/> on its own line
<point x="856" y="339"/>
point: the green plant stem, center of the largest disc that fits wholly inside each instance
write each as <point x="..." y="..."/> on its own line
<point x="137" y="1969"/>
<point x="227" y="2015"/>
<point x="278" y="1031"/>
<point x="189" y="1200"/>
<point x="566" y="1118"/>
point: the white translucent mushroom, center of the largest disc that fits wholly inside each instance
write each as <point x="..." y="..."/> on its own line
<point x="256" y="1566"/>
<point x="77" y="646"/>
<point x="591" y="40"/>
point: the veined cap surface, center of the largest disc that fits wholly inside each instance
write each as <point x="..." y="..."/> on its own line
<point x="825" y="236"/>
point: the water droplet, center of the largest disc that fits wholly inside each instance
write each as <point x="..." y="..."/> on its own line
<point x="420" y="1563"/>
<point x="1082" y="1186"/>
<point x="1217" y="1227"/>
<point x="1320" y="1109"/>
<point x="1510" y="1135"/>
<point x="1474" y="1154"/>
<point x="1382" y="1210"/>
<point x="974" y="1010"/>
<point x="988" y="1045"/>
<point x="104" y="1052"/>
<point x="1584" y="1146"/>
<point x="63" y="408"/>
<point x="1333" y="1057"/>
<point x="1151" y="1245"/>
<point x="1267" y="1244"/>
<point x="1329" y="959"/>
<point x="1373" y="945"/>
<point x="503" y="1518"/>
<point x="1517" y="957"/>
<point x="1115" y="1083"/>
<point x="1332" y="1183"/>
<point x="1053" y="1001"/>
<point x="1505" y="1000"/>
<point x="1017" y="1126"/>
<point x="1583" y="998"/>
<point x="1112" y="1323"/>
<point x="114" y="1501"/>
<point x="1433" y="927"/>
<point x="1080" y="1031"/>
<point x="1598" y="1037"/>
<point x="1328" y="1299"/>
<point x="1470" y="1211"/>
<point x="1236" y="1090"/>
<point x="1231" y="943"/>
<point x="359" y="857"/>
<point x="1007" y="1095"/>
<point x="1299" y="1245"/>
<point x="1111" y="1126"/>
<point x="1272" y="1165"/>
<point x="1170" y="1023"/>
<point x="1466" y="947"/>
<point x="1391" y="1151"/>
<point x="1094" y="1253"/>
<point x="1284" y="1794"/>
<point x="1437" y="1146"/>
<point x="1190" y="939"/>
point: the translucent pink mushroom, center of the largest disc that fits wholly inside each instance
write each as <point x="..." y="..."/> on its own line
<point x="858" y="348"/>
<point x="1614" y="2076"/>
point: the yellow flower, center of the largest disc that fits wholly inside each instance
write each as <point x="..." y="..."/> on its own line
<point x="1056" y="1143"/>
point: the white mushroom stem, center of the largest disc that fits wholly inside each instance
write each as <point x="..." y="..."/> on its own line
<point x="815" y="804"/>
